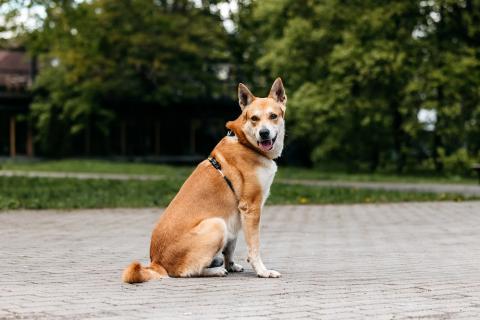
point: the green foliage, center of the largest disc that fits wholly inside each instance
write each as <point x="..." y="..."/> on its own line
<point x="459" y="162"/>
<point x="358" y="73"/>
<point x="99" y="56"/>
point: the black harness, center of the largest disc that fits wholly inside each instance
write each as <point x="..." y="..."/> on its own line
<point x="217" y="165"/>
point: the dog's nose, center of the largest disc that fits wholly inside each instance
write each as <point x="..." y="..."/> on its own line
<point x="264" y="133"/>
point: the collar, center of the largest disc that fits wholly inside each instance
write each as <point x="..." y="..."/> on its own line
<point x="217" y="166"/>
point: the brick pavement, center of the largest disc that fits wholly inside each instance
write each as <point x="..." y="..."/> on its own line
<point x="388" y="261"/>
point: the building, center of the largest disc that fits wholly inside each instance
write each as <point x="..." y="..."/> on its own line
<point x="178" y="133"/>
<point x="17" y="72"/>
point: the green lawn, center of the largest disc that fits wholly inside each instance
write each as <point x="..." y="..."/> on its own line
<point x="324" y="174"/>
<point x="181" y="172"/>
<point x="43" y="193"/>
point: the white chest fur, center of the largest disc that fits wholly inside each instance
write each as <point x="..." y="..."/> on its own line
<point x="265" y="174"/>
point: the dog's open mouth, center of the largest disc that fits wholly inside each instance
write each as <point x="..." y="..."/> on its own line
<point x="266" y="144"/>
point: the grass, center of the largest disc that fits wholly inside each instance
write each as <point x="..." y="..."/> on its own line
<point x="45" y="193"/>
<point x="298" y="194"/>
<point x="181" y="172"/>
<point x="325" y="174"/>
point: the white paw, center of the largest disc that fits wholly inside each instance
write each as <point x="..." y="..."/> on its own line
<point x="269" y="274"/>
<point x="215" y="272"/>
<point x="221" y="272"/>
<point x="233" y="267"/>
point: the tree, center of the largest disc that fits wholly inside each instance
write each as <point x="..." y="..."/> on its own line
<point x="448" y="79"/>
<point x="100" y="55"/>
<point x="359" y="73"/>
<point x="346" y="82"/>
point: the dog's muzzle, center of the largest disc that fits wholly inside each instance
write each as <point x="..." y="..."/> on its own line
<point x="266" y="144"/>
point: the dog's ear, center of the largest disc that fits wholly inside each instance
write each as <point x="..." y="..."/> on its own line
<point x="277" y="92"/>
<point x="245" y="97"/>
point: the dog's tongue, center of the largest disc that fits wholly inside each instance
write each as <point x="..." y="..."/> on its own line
<point x="266" y="144"/>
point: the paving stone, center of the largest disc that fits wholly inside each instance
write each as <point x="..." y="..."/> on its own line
<point x="378" y="261"/>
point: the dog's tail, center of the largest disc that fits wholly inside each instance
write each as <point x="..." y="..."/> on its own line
<point x="135" y="273"/>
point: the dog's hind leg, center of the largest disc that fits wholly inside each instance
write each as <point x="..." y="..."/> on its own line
<point x="204" y="241"/>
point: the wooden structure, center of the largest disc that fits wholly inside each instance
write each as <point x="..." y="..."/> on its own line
<point x="17" y="72"/>
<point x="178" y="132"/>
<point x="184" y="132"/>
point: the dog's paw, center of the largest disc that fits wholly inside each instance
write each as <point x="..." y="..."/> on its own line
<point x="214" y="272"/>
<point x="222" y="272"/>
<point x="233" y="267"/>
<point x="269" y="274"/>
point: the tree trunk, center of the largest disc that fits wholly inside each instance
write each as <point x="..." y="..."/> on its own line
<point x="437" y="140"/>
<point x="13" y="136"/>
<point x="398" y="135"/>
<point x="374" y="159"/>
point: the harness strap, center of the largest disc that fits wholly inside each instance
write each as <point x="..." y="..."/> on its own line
<point x="217" y="166"/>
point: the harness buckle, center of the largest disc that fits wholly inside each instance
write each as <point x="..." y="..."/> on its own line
<point x="217" y="166"/>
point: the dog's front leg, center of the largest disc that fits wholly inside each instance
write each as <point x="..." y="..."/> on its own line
<point x="228" y="251"/>
<point x="251" y="229"/>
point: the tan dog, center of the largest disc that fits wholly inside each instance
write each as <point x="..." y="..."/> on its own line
<point x="223" y="195"/>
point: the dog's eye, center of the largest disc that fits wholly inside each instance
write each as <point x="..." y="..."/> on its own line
<point x="254" y="118"/>
<point x="273" y="116"/>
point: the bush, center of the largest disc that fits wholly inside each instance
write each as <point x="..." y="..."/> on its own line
<point x="459" y="162"/>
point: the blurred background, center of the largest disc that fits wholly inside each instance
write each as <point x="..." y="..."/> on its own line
<point x="373" y="86"/>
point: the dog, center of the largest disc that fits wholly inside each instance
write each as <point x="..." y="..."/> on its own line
<point x="224" y="194"/>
